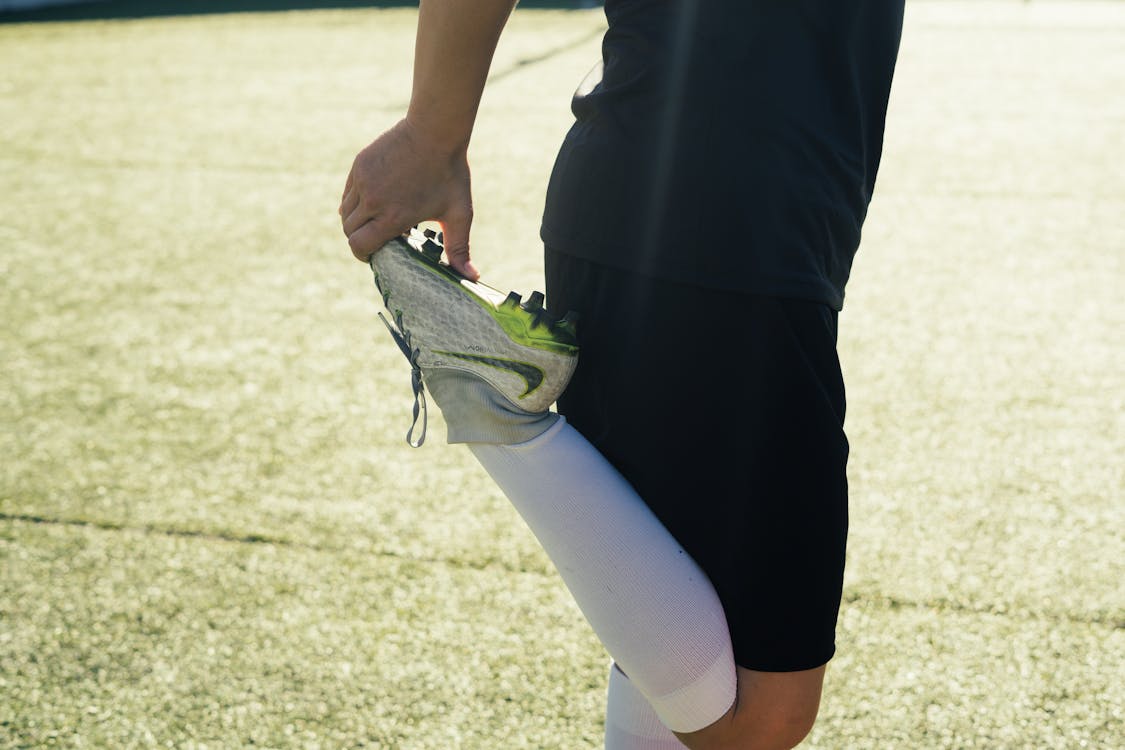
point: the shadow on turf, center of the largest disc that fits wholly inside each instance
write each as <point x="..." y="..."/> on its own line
<point x="123" y="9"/>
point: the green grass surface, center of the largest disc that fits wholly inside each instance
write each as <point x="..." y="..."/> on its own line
<point x="212" y="533"/>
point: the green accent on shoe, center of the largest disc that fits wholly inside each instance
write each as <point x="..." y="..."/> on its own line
<point x="522" y="325"/>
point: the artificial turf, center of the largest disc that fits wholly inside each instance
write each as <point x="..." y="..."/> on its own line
<point x="212" y="531"/>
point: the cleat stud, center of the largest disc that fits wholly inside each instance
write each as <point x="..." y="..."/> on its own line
<point x="567" y="326"/>
<point x="512" y="300"/>
<point x="534" y="302"/>
<point x="441" y="237"/>
<point x="431" y="250"/>
<point x="429" y="234"/>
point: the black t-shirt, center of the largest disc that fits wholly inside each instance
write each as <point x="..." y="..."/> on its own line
<point x="729" y="143"/>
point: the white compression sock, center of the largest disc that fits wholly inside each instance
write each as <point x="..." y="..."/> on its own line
<point x="652" y="607"/>
<point x="630" y="721"/>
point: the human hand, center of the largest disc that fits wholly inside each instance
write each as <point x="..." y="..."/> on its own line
<point x="402" y="179"/>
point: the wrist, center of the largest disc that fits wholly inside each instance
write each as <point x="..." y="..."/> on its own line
<point x="445" y="134"/>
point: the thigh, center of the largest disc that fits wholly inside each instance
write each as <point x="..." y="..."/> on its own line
<point x="725" y="412"/>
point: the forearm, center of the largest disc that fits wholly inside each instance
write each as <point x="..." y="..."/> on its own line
<point x="453" y="52"/>
<point x="418" y="170"/>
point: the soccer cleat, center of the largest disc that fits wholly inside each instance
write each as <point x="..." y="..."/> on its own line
<point x="443" y="321"/>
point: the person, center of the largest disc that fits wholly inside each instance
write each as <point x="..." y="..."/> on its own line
<point x="702" y="218"/>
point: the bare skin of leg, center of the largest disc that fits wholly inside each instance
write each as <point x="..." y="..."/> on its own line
<point x="772" y="711"/>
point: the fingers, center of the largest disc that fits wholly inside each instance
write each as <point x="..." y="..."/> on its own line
<point x="371" y="236"/>
<point x="355" y="218"/>
<point x="355" y="212"/>
<point x="456" y="233"/>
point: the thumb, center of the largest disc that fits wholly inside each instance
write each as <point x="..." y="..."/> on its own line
<point x="456" y="231"/>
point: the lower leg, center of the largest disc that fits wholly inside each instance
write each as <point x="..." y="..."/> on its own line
<point x="646" y="599"/>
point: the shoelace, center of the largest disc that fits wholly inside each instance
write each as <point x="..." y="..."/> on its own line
<point x="402" y="338"/>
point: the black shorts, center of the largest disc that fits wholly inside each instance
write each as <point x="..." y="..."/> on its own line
<point x="725" y="411"/>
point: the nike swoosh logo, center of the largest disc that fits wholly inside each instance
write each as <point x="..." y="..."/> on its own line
<point x="531" y="374"/>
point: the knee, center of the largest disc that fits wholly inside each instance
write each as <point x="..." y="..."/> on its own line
<point x="782" y="730"/>
<point x="773" y="712"/>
